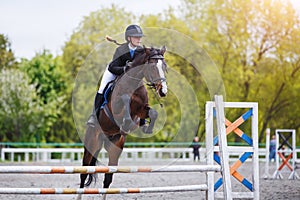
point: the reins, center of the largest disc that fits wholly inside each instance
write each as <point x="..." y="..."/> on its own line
<point x="151" y="85"/>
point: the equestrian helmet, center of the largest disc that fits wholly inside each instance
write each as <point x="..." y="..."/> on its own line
<point x="133" y="31"/>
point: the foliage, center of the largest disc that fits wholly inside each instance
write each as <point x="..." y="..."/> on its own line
<point x="7" y="58"/>
<point x="253" y="43"/>
<point x="21" y="111"/>
<point x="51" y="86"/>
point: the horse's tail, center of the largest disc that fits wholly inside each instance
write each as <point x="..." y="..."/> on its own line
<point x="91" y="177"/>
<point x="111" y="40"/>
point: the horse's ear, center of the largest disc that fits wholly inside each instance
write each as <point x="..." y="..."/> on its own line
<point x="163" y="50"/>
<point x="147" y="50"/>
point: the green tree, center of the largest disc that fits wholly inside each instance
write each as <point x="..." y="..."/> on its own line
<point x="52" y="87"/>
<point x="251" y="43"/>
<point x="21" y="111"/>
<point x="7" y="58"/>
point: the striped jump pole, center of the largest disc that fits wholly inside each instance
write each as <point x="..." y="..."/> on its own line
<point x="40" y="191"/>
<point x="106" y="169"/>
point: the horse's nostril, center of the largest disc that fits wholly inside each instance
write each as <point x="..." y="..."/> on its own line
<point x="161" y="93"/>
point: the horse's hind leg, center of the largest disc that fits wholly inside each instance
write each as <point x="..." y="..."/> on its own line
<point x="153" y="116"/>
<point x="114" y="149"/>
<point x="92" y="146"/>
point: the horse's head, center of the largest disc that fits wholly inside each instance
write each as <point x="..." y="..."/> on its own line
<point x="154" y="70"/>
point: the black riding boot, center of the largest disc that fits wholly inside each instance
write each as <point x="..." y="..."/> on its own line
<point x="95" y="113"/>
<point x="98" y="102"/>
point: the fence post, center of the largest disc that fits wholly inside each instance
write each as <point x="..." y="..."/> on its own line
<point x="223" y="147"/>
<point x="267" y="175"/>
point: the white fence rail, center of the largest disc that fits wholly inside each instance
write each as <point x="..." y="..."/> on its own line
<point x="75" y="154"/>
<point x="134" y="154"/>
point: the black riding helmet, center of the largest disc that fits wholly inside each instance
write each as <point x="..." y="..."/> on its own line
<point x="133" y="31"/>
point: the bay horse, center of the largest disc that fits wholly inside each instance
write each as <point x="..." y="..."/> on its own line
<point x="127" y="105"/>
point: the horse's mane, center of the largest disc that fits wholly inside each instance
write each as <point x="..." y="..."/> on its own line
<point x="140" y="57"/>
<point x="143" y="54"/>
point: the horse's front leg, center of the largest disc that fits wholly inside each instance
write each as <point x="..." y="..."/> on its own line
<point x="153" y="116"/>
<point x="127" y="122"/>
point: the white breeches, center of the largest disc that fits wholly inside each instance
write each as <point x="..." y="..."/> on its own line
<point x="106" y="78"/>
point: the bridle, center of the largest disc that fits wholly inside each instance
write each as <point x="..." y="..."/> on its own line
<point x="153" y="84"/>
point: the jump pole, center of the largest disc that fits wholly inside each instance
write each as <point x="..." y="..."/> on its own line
<point x="106" y="169"/>
<point x="48" y="191"/>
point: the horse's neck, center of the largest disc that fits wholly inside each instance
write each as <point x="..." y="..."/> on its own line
<point x="136" y="76"/>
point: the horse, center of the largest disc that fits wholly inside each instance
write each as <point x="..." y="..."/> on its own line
<point x="126" y="105"/>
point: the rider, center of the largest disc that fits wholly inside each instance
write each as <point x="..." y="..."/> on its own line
<point x="122" y="58"/>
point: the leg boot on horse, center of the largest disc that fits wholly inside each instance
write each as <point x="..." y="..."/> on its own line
<point x="153" y="116"/>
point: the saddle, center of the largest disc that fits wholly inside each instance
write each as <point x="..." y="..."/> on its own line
<point x="109" y="89"/>
<point x="107" y="92"/>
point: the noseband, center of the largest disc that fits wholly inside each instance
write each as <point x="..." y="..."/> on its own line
<point x="156" y="82"/>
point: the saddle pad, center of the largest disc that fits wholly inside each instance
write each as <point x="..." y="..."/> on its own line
<point x="106" y="94"/>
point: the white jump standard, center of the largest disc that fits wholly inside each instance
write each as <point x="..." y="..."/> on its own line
<point x="250" y="151"/>
<point x="286" y="151"/>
